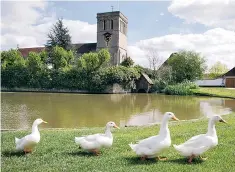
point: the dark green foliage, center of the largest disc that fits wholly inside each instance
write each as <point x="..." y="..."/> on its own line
<point x="91" y="74"/>
<point x="14" y="76"/>
<point x="163" y="78"/>
<point x="127" y="62"/>
<point x="186" y="65"/>
<point x="59" y="36"/>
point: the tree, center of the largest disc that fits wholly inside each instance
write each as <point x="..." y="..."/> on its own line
<point x="34" y="62"/>
<point x="11" y="58"/>
<point x="217" y="70"/>
<point x="92" y="61"/>
<point x="186" y="65"/>
<point x="61" y="58"/>
<point x="155" y="61"/>
<point x="127" y="62"/>
<point x="59" y="35"/>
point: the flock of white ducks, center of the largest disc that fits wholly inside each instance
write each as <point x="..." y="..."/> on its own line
<point x="150" y="147"/>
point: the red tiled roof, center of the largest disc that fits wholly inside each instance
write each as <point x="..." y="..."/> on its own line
<point x="25" y="51"/>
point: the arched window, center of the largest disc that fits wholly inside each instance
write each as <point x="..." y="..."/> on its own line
<point x="104" y="24"/>
<point x="111" y="24"/>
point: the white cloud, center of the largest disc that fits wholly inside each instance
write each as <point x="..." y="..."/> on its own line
<point x="213" y="13"/>
<point x="28" y="23"/>
<point x="215" y="44"/>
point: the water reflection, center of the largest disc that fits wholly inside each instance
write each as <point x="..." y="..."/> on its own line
<point x="81" y="110"/>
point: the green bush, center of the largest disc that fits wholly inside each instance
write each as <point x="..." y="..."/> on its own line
<point x="184" y="88"/>
<point x="91" y="73"/>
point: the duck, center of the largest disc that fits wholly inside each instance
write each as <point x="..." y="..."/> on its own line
<point x="199" y="144"/>
<point x="28" y="142"/>
<point x="93" y="143"/>
<point x="152" y="146"/>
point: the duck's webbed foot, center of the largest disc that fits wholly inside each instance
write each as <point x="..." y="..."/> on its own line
<point x="190" y="159"/>
<point x="96" y="152"/>
<point x="27" y="151"/>
<point x="142" y="158"/>
<point x="162" y="158"/>
<point x="203" y="158"/>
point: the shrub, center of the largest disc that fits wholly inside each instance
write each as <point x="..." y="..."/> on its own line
<point x="184" y="88"/>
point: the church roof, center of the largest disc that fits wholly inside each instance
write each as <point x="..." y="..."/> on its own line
<point x="25" y="51"/>
<point x="80" y="48"/>
<point x="85" y="47"/>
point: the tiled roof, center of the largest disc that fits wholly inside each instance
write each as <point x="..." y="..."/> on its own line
<point x="147" y="78"/>
<point x="25" y="51"/>
<point x="85" y="47"/>
<point x="80" y="48"/>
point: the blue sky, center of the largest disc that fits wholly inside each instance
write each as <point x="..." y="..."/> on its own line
<point x="205" y="26"/>
<point x="146" y="19"/>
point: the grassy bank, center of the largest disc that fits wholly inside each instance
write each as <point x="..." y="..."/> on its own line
<point x="58" y="152"/>
<point x="215" y="92"/>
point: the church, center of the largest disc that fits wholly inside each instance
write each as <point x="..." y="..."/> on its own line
<point x="111" y="34"/>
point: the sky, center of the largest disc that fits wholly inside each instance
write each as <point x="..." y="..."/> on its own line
<point x="204" y="26"/>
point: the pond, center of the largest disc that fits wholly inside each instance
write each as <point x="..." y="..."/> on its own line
<point x="60" y="110"/>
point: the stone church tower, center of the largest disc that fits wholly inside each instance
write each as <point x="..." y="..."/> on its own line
<point x="112" y="34"/>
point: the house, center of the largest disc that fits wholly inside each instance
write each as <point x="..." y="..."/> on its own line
<point x="229" y="78"/>
<point x="143" y="84"/>
<point x="225" y="80"/>
<point x="219" y="82"/>
<point x="111" y="34"/>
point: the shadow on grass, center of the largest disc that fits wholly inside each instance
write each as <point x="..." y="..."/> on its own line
<point x="12" y="153"/>
<point x="138" y="161"/>
<point x="87" y="154"/>
<point x="185" y="161"/>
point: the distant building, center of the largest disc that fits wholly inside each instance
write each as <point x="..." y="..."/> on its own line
<point x="143" y="84"/>
<point x="229" y="78"/>
<point x="111" y="34"/>
<point x="225" y="80"/>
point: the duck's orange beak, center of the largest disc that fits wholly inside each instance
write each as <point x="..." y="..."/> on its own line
<point x="115" y="126"/>
<point x="45" y="122"/>
<point x="174" y="118"/>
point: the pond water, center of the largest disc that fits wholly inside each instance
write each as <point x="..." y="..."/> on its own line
<point x="60" y="110"/>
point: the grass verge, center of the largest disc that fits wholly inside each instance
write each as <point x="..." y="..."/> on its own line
<point x="215" y="92"/>
<point x="58" y="152"/>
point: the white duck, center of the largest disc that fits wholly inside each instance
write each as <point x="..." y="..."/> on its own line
<point x="151" y="147"/>
<point x="199" y="144"/>
<point x="28" y="142"/>
<point x="95" y="142"/>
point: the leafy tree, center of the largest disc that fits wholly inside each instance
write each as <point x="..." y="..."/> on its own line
<point x="11" y="58"/>
<point x="59" y="35"/>
<point x="61" y="58"/>
<point x="127" y="62"/>
<point x="186" y="65"/>
<point x="92" y="61"/>
<point x="217" y="70"/>
<point x="44" y="56"/>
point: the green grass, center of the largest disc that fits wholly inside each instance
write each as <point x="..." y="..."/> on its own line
<point x="58" y="152"/>
<point x="216" y="92"/>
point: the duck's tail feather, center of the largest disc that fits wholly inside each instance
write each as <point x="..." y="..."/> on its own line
<point x="133" y="146"/>
<point x="178" y="147"/>
<point x="16" y="140"/>
<point x="78" y="140"/>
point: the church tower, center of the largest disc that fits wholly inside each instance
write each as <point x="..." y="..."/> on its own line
<point x="112" y="34"/>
